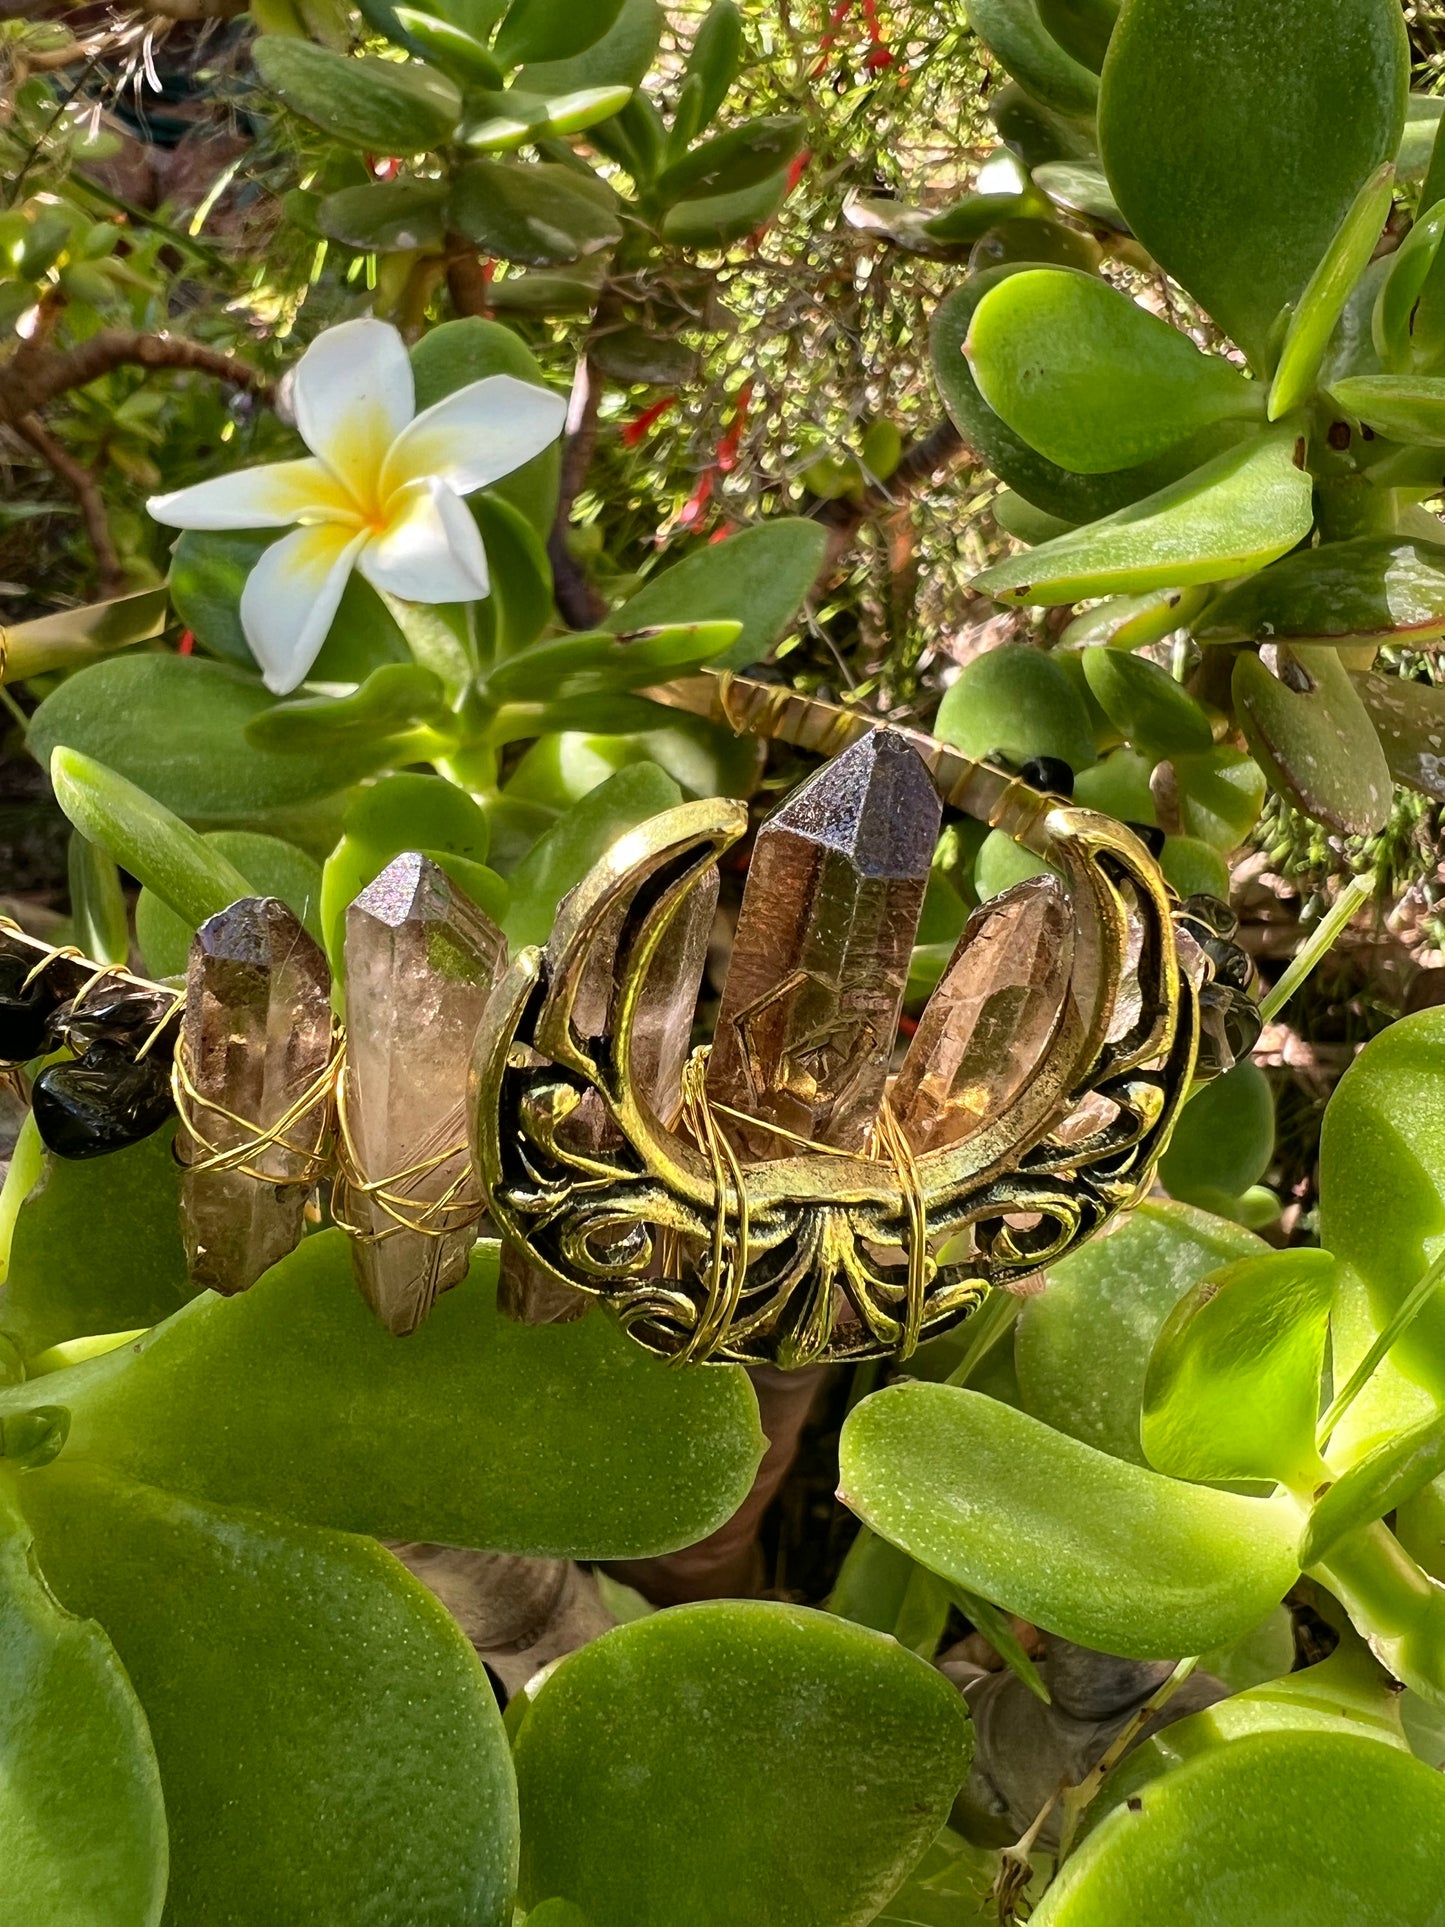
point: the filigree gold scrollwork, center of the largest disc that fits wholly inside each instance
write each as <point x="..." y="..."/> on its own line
<point x="824" y="1254"/>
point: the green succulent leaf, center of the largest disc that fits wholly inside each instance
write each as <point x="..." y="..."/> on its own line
<point x="449" y="47"/>
<point x="587" y="665"/>
<point x="577" y="1443"/>
<point x="1310" y="730"/>
<point x="624" y="1750"/>
<point x="1108" y="1554"/>
<point x="1081" y="187"/>
<point x="392" y="702"/>
<point x="1082" y="1345"/>
<point x="570" y="848"/>
<point x="97" y="902"/>
<point x="621" y="58"/>
<point x="1193" y="868"/>
<point x="713" y="220"/>
<point x="1409" y="719"/>
<point x="1018" y="703"/>
<point x="1081" y="27"/>
<point x="1251" y="1832"/>
<point x="386" y="215"/>
<point x="552" y="29"/>
<point x="1233" y="1389"/>
<point x="1224" y="1139"/>
<point x="759" y="578"/>
<point x="81" y="1813"/>
<point x="1236" y="137"/>
<point x="715" y="58"/>
<point x="1313" y="321"/>
<point x="1376" y="588"/>
<point x="968" y="220"/>
<point x="175" y="728"/>
<point x="1395" y="1471"/>
<point x="329" y="1746"/>
<point x="1404" y="408"/>
<point x="1090" y="379"/>
<point x="511" y="119"/>
<point x="1221" y="794"/>
<point x="1013" y="30"/>
<point x="737" y="159"/>
<point x="1236" y="513"/>
<point x="1410" y="268"/>
<point x="1145" y="704"/>
<point x="538" y="213"/>
<point x="377" y="105"/>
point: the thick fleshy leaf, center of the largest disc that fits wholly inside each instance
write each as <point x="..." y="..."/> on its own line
<point x="1081" y="27"/>
<point x="81" y="1814"/>
<point x="385" y="215"/>
<point x="97" y="1248"/>
<point x="1382" y="1181"/>
<point x="1074" y="498"/>
<point x="511" y="119"/>
<point x="272" y="868"/>
<point x="1397" y="306"/>
<point x="1221" y="794"/>
<point x="1090" y="379"/>
<point x="1236" y="513"/>
<point x="1252" y="1832"/>
<point x="176" y="728"/>
<point x="759" y="578"/>
<point x="538" y="213"/>
<point x="713" y="220"/>
<point x="1314" y="320"/>
<point x="551" y="29"/>
<point x="449" y="47"/>
<point x="1019" y="703"/>
<point x="378" y="105"/>
<point x="591" y="664"/>
<point x="1013" y="30"/>
<point x="619" y="59"/>
<point x="1233" y="1390"/>
<point x="1409" y="719"/>
<point x="392" y="702"/>
<point x="292" y="1398"/>
<point x="1310" y="730"/>
<point x="739" y="158"/>
<point x="1236" y="138"/>
<point x="1108" y="1554"/>
<point x="1403" y="408"/>
<point x="1193" y="868"/>
<point x="1224" y="1139"/>
<point x="1375" y="1485"/>
<point x="568" y="851"/>
<point x="1376" y="588"/>
<point x="1081" y="187"/>
<point x="1145" y="704"/>
<point x="329" y="1747"/>
<point x="626" y="1749"/>
<point x="1082" y="1345"/>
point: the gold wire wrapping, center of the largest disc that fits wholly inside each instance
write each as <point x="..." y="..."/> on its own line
<point x="887" y="1144"/>
<point x="458" y="1206"/>
<point x="319" y="1096"/>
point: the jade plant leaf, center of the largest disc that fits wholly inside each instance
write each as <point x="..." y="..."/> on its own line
<point x="1409" y="719"/>
<point x="577" y="1442"/>
<point x="570" y="848"/>
<point x="1233" y="1390"/>
<point x="1382" y="1189"/>
<point x="551" y="29"/>
<point x="1376" y="588"/>
<point x="735" y="1761"/>
<point x="176" y="727"/>
<point x="271" y="867"/>
<point x="1252" y="1832"/>
<point x="540" y="214"/>
<point x="1082" y="1344"/>
<point x="1237" y="136"/>
<point x="329" y="1747"/>
<point x="386" y="215"/>
<point x="378" y="105"/>
<point x="1403" y="408"/>
<point x="1224" y="1139"/>
<point x="1090" y="379"/>
<point x="1013" y="30"/>
<point x="1221" y="794"/>
<point x="1236" y="513"/>
<point x="97" y="1248"/>
<point x="1018" y="703"/>
<point x="1395" y="1471"/>
<point x="1108" y="1554"/>
<point x="589" y="665"/>
<point x="759" y="578"/>
<point x="1397" y="306"/>
<point x="81" y="1814"/>
<point x="1145" y="704"/>
<point x="1312" y="323"/>
<point x="1310" y="730"/>
<point x="1081" y="27"/>
<point x="619" y="59"/>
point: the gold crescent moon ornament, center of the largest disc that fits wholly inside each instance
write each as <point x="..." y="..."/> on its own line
<point x="803" y="1204"/>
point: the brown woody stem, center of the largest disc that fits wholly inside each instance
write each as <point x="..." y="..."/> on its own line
<point x="86" y="490"/>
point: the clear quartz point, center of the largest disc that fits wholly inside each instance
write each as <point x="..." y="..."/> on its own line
<point x="820" y="960"/>
<point x="257" y="1036"/>
<point x="421" y="960"/>
<point x="989" y="1022"/>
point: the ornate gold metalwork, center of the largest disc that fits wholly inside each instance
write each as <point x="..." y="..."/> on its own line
<point x="826" y="1254"/>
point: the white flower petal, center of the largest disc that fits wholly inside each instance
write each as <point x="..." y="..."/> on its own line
<point x="353" y="395"/>
<point x="472" y="437"/>
<point x="290" y="599"/>
<point x="430" y="550"/>
<point x="255" y="498"/>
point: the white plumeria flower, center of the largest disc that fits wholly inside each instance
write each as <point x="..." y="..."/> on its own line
<point x="381" y="490"/>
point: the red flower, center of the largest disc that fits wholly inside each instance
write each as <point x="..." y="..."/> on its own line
<point x="634" y="431"/>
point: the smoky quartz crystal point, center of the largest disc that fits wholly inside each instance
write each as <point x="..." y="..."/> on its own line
<point x="421" y="960"/>
<point x="256" y="1038"/>
<point x="820" y="962"/>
